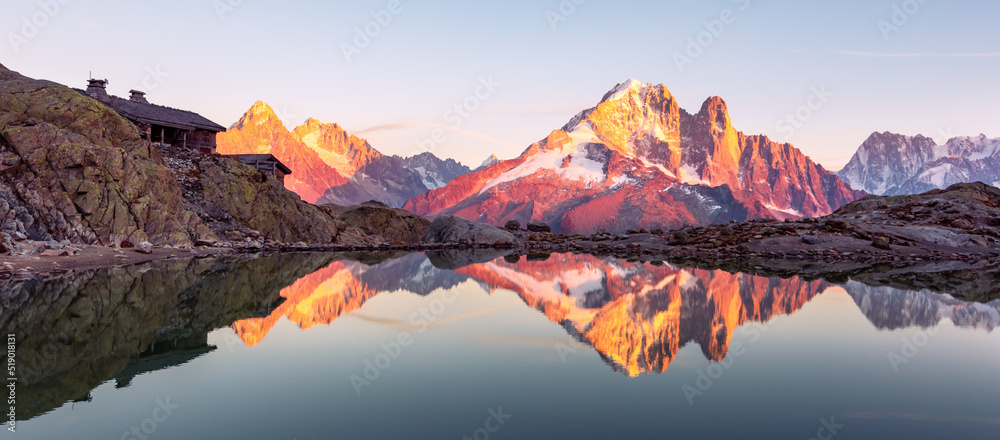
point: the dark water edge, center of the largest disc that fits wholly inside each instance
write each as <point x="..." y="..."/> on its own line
<point x="79" y="330"/>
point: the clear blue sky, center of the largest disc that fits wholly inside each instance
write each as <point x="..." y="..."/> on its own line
<point x="934" y="74"/>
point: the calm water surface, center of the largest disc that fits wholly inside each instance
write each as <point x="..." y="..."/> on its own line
<point x="302" y="347"/>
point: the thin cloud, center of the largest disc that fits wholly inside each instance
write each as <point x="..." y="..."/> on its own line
<point x="920" y="54"/>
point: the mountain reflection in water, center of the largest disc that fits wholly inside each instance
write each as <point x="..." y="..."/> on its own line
<point x="636" y="315"/>
<point x="80" y="330"/>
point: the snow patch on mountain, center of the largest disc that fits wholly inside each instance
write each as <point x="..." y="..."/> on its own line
<point x="568" y="163"/>
<point x="690" y="176"/>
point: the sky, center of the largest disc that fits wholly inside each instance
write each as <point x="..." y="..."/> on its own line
<point x="822" y="75"/>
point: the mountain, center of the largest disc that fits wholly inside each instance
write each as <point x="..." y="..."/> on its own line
<point x="260" y="131"/>
<point x="490" y="161"/>
<point x="893" y="164"/>
<point x="434" y="171"/>
<point x="638" y="160"/>
<point x="330" y="165"/>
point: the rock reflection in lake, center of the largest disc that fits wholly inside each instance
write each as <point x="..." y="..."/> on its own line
<point x="76" y="331"/>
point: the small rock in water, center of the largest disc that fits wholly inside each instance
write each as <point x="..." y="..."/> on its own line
<point x="810" y="239"/>
<point x="208" y="242"/>
<point x="144" y="248"/>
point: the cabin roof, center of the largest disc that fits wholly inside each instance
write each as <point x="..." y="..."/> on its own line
<point x="153" y="114"/>
<point x="250" y="159"/>
<point x="160" y="115"/>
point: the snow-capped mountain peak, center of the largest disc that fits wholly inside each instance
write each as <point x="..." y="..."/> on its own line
<point x="893" y="164"/>
<point x="636" y="160"/>
<point x="490" y="161"/>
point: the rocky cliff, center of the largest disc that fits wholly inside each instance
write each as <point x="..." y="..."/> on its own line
<point x="73" y="169"/>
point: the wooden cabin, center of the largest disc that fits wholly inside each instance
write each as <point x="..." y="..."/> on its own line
<point x="265" y="163"/>
<point x="162" y="125"/>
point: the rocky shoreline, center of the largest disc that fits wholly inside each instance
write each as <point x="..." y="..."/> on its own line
<point x="946" y="240"/>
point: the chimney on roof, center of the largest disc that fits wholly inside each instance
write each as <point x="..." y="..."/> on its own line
<point x="137" y="96"/>
<point x="98" y="89"/>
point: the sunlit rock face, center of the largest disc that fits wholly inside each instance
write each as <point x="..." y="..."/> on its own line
<point x="638" y="160"/>
<point x="260" y="131"/>
<point x="329" y="165"/>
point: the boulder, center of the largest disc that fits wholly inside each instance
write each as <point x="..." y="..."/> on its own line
<point x="144" y="248"/>
<point x="539" y="227"/>
<point x="450" y="229"/>
<point x="881" y="243"/>
<point x="513" y="225"/>
<point x="393" y="225"/>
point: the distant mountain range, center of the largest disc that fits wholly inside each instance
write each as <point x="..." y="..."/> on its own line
<point x="637" y="160"/>
<point x="893" y="164"/>
<point x="331" y="166"/>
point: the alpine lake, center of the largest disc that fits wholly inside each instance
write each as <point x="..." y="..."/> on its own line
<point x="457" y="345"/>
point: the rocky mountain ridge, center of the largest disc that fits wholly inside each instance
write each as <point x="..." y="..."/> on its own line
<point x="637" y="160"/>
<point x="893" y="164"/>
<point x="331" y="166"/>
